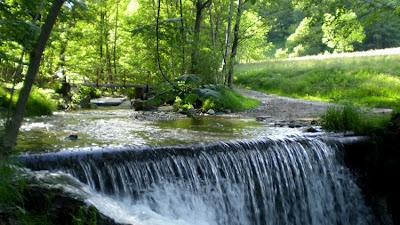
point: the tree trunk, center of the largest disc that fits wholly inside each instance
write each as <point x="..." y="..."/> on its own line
<point x="158" y="55"/>
<point x="63" y="49"/>
<point x="115" y="39"/>
<point x="217" y="24"/>
<point x="108" y="59"/>
<point x="12" y="128"/>
<point x="16" y="77"/>
<point x="235" y="43"/>
<point x="183" y="36"/>
<point x="227" y="41"/>
<point x="196" y="35"/>
<point x="100" y="70"/>
<point x="212" y="31"/>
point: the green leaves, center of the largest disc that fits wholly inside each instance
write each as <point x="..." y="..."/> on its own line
<point x="342" y="30"/>
<point x="20" y="31"/>
<point x="188" y="79"/>
<point x="207" y="92"/>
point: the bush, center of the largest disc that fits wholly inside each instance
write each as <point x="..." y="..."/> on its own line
<point x="83" y="95"/>
<point x="281" y="53"/>
<point x="39" y="103"/>
<point x="208" y="104"/>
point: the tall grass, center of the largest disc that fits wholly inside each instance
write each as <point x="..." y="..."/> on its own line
<point x="352" y="118"/>
<point x="39" y="102"/>
<point x="370" y="81"/>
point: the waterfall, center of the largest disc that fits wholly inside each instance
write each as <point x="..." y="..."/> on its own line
<point x="291" y="181"/>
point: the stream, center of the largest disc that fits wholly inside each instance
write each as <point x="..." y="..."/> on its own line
<point x="183" y="171"/>
<point x="122" y="127"/>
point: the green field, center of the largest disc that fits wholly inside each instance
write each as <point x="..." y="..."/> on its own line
<point x="369" y="80"/>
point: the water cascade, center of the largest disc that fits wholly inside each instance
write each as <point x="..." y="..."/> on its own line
<point x="296" y="181"/>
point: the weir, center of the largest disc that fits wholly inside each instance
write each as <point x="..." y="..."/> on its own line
<point x="295" y="180"/>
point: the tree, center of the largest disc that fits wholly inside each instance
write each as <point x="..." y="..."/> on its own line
<point x="235" y="42"/>
<point x="200" y="6"/>
<point x="227" y="40"/>
<point x="342" y="30"/>
<point x="12" y="128"/>
<point x="306" y="39"/>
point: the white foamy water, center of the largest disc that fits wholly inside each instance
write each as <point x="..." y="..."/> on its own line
<point x="296" y="181"/>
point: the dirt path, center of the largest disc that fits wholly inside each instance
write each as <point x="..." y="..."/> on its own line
<point x="283" y="108"/>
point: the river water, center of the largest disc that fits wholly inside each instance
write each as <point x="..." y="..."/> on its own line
<point x="208" y="171"/>
<point x="121" y="127"/>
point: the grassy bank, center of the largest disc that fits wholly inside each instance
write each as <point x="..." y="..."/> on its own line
<point x="215" y="97"/>
<point x="39" y="102"/>
<point x="230" y="99"/>
<point x="371" y="81"/>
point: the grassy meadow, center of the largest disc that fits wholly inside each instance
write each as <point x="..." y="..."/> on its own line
<point x="362" y="80"/>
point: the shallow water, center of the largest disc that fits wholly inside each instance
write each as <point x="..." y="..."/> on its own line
<point x="121" y="128"/>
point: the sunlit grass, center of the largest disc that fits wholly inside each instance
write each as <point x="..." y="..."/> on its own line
<point x="351" y="118"/>
<point x="39" y="102"/>
<point x="234" y="101"/>
<point x="370" y="81"/>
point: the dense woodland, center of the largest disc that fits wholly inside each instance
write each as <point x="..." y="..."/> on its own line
<point x="129" y="41"/>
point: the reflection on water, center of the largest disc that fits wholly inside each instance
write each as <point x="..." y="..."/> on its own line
<point x="119" y="127"/>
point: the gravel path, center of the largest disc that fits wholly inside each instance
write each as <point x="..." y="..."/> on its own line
<point x="287" y="111"/>
<point x="283" y="108"/>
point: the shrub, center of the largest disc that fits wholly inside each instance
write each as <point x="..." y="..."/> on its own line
<point x="39" y="103"/>
<point x="208" y="104"/>
<point x="83" y="95"/>
<point x="281" y="53"/>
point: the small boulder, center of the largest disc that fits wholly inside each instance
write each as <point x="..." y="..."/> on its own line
<point x="262" y="118"/>
<point x="192" y="113"/>
<point x="72" y="137"/>
<point x="167" y="108"/>
<point x="211" y="112"/>
<point x="311" y="130"/>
